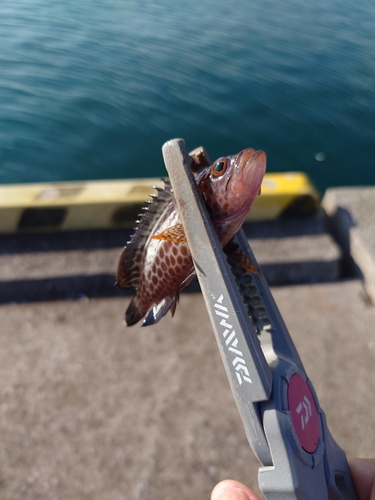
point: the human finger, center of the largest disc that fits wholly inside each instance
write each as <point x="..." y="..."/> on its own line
<point x="363" y="474"/>
<point x="232" y="490"/>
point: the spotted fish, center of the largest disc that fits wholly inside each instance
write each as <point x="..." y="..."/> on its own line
<point x="157" y="260"/>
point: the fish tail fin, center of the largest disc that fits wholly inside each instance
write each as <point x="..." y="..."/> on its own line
<point x="159" y="310"/>
<point x="134" y="313"/>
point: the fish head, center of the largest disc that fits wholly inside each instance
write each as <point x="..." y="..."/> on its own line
<point x="229" y="187"/>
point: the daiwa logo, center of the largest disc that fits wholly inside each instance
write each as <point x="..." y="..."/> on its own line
<point x="304" y="405"/>
<point x="242" y="373"/>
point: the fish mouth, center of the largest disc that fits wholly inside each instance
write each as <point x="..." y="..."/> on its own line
<point x="255" y="161"/>
<point x="252" y="167"/>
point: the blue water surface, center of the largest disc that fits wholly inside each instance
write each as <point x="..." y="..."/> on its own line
<point x="92" y="89"/>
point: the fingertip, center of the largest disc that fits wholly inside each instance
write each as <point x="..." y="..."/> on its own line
<point x="363" y="474"/>
<point x="232" y="490"/>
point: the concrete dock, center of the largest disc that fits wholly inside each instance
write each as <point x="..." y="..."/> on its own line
<point x="92" y="410"/>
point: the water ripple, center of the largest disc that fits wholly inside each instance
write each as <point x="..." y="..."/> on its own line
<point x="91" y="89"/>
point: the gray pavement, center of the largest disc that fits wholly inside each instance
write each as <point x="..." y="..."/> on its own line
<point x="90" y="409"/>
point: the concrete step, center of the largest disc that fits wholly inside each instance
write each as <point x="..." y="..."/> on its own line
<point x="75" y="264"/>
<point x="296" y="250"/>
<point x="351" y="218"/>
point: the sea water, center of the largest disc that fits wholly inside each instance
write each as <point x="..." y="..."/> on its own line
<point x="92" y="89"/>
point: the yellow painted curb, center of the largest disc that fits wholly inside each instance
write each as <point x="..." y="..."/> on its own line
<point x="281" y="192"/>
<point x="71" y="206"/>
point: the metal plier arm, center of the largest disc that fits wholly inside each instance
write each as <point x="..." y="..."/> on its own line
<point x="283" y="421"/>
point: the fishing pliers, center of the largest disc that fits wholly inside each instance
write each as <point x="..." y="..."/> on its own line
<point x="284" y="424"/>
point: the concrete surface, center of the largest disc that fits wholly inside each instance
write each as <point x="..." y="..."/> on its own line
<point x="92" y="410"/>
<point x="351" y="214"/>
<point x="294" y="251"/>
<point x="70" y="265"/>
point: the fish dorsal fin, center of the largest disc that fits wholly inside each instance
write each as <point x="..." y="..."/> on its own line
<point x="129" y="266"/>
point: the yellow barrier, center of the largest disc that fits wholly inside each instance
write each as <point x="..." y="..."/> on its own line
<point x="70" y="206"/>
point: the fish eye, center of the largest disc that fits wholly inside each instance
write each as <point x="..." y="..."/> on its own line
<point x="219" y="167"/>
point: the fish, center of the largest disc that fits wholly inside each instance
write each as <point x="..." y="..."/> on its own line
<point x="157" y="261"/>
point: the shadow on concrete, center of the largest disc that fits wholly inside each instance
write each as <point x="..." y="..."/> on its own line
<point x="339" y="224"/>
<point x="70" y="240"/>
<point x="61" y="288"/>
<point x="117" y="238"/>
<point x="286" y="227"/>
<point x="281" y="265"/>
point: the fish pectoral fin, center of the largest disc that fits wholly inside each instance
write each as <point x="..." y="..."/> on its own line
<point x="175" y="233"/>
<point x="244" y="260"/>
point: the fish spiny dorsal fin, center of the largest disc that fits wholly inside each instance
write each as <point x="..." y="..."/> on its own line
<point x="129" y="266"/>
